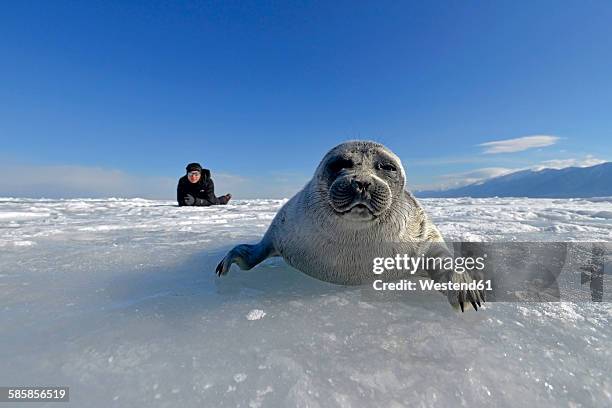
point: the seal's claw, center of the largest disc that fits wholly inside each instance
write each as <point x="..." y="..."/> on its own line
<point x="222" y="267"/>
<point x="459" y="298"/>
<point x="218" y="269"/>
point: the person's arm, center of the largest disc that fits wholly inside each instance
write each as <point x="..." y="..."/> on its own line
<point x="181" y="196"/>
<point x="190" y="200"/>
<point x="209" y="197"/>
<point x="185" y="199"/>
<point x="204" y="199"/>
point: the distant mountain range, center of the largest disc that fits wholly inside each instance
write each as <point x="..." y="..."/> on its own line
<point x="594" y="181"/>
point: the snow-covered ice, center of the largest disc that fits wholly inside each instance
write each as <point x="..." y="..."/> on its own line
<point x="118" y="299"/>
<point x="255" y="314"/>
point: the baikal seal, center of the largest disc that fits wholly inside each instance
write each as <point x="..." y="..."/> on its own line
<point x="354" y="209"/>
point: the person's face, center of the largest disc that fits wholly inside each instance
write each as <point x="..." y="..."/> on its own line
<point x="194" y="176"/>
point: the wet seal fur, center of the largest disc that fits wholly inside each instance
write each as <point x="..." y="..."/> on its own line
<point x="354" y="209"/>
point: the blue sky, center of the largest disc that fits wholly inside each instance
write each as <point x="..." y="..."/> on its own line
<point x="114" y="98"/>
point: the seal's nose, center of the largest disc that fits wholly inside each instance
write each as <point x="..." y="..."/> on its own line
<point x="360" y="186"/>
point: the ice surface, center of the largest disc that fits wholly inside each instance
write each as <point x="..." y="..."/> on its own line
<point x="118" y="300"/>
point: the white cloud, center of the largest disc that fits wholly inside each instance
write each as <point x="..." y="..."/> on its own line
<point x="74" y="181"/>
<point x="483" y="173"/>
<point x="268" y="185"/>
<point x="519" y="144"/>
<point x="587" y="161"/>
<point x="455" y="180"/>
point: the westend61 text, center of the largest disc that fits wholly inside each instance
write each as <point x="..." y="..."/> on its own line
<point x="431" y="285"/>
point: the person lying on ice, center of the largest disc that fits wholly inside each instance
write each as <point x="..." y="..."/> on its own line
<point x="197" y="188"/>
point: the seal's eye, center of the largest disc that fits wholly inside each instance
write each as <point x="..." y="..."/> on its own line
<point x="339" y="165"/>
<point x="386" y="167"/>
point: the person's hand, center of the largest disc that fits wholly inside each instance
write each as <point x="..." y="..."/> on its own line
<point x="189" y="200"/>
<point x="226" y="198"/>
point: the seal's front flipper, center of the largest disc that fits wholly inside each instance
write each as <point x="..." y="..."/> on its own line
<point x="246" y="256"/>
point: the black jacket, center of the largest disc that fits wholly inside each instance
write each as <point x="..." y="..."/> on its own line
<point x="201" y="193"/>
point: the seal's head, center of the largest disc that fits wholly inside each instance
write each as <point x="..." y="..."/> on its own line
<point x="360" y="180"/>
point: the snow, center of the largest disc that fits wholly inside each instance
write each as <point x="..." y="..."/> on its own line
<point x="255" y="314"/>
<point x="117" y="299"/>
